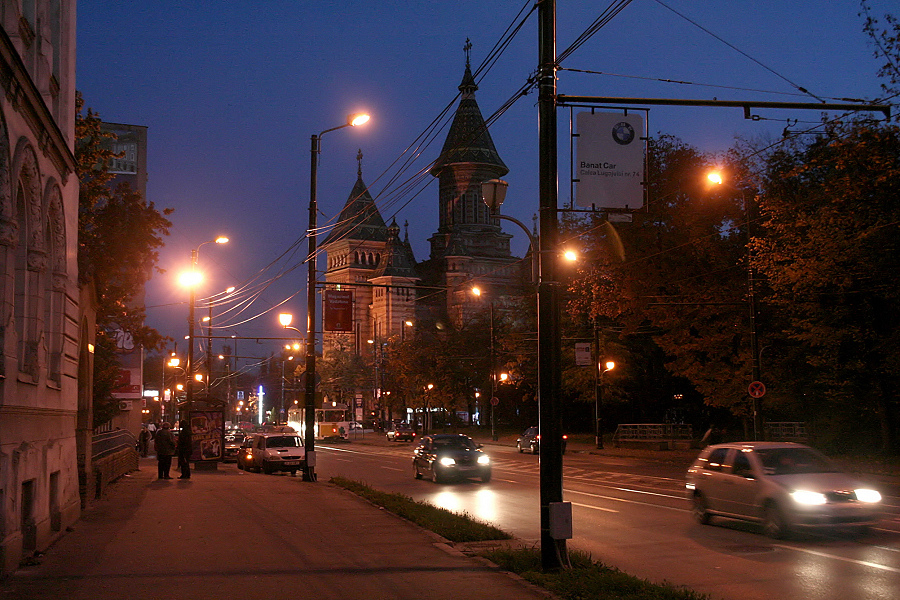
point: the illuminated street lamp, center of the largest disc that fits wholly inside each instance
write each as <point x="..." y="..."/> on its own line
<point x="191" y="280"/>
<point x="309" y="472"/>
<point x="598" y="374"/>
<point x="716" y="178"/>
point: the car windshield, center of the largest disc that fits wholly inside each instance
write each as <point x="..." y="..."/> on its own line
<point x="461" y="443"/>
<point x="402" y="428"/>
<point x="283" y="441"/>
<point x="791" y="461"/>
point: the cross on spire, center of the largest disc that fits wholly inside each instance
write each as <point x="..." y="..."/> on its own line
<point x="468" y="50"/>
<point x="359" y="156"/>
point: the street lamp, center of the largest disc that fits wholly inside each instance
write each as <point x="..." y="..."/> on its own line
<point x="309" y="472"/>
<point x="716" y="178"/>
<point x="598" y="374"/>
<point x="192" y="279"/>
<point x="493" y="367"/>
<point x="493" y="193"/>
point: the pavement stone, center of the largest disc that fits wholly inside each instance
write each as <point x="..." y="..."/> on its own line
<point x="156" y="540"/>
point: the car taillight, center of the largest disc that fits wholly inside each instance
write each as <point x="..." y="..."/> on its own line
<point x="565" y="437"/>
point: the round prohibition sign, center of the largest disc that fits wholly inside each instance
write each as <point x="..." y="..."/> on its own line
<point x="495" y="401"/>
<point x="756" y="389"/>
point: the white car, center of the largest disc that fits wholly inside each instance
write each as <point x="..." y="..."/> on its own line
<point x="271" y="452"/>
<point x="782" y="485"/>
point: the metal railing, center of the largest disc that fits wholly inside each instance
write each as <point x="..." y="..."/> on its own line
<point x="786" y="431"/>
<point x="652" y="432"/>
<point x="109" y="442"/>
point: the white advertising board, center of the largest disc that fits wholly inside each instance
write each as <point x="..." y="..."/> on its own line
<point x="609" y="166"/>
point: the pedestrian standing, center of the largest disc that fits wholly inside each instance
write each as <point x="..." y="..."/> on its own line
<point x="165" y="448"/>
<point x="144" y="440"/>
<point x="184" y="450"/>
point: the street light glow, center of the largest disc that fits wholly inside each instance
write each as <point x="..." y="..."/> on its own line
<point x="221" y="240"/>
<point x="715" y="177"/>
<point x="190" y="279"/>
<point x="610" y="365"/>
<point x="358" y="119"/>
<point x="285" y="319"/>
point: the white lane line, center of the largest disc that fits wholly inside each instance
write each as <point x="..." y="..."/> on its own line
<point x="625" y="500"/>
<point x="864" y="563"/>
<point x="594" y="507"/>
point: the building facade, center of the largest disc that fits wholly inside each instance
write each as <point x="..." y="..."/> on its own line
<point x="392" y="291"/>
<point x="45" y="419"/>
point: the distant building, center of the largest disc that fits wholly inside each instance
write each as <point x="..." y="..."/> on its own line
<point x="45" y="399"/>
<point x="393" y="293"/>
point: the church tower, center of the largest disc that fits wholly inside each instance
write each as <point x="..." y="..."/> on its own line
<point x="469" y="245"/>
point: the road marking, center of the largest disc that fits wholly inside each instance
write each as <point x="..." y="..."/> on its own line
<point x="594" y="507"/>
<point x="627" y="501"/>
<point x="864" y="563"/>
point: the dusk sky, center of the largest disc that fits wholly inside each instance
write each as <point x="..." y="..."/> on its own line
<point x="232" y="91"/>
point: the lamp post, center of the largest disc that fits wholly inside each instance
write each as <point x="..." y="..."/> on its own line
<point x="493" y="193"/>
<point x="192" y="279"/>
<point x="493" y="366"/>
<point x="309" y="472"/>
<point x="755" y="375"/>
<point x="598" y="374"/>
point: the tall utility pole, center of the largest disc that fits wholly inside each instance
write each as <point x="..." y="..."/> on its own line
<point x="553" y="549"/>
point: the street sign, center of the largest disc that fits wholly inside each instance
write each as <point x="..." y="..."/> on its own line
<point x="495" y="401"/>
<point x="756" y="389"/>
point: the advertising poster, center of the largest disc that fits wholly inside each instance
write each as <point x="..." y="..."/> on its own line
<point x="609" y="167"/>
<point x="207" y="434"/>
<point x="337" y="314"/>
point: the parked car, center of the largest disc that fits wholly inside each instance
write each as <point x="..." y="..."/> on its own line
<point x="781" y="485"/>
<point x="271" y="452"/>
<point x="450" y="456"/>
<point x="233" y="440"/>
<point x="531" y="440"/>
<point x="400" y="432"/>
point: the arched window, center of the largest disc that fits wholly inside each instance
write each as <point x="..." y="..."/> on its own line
<point x="55" y="279"/>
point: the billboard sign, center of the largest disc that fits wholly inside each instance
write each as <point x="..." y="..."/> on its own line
<point x="609" y="166"/>
<point x="337" y="312"/>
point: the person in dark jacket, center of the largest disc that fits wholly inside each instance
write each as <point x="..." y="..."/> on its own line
<point x="164" y="444"/>
<point x="184" y="450"/>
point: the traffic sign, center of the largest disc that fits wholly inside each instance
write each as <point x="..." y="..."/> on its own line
<point x="495" y="401"/>
<point x="756" y="389"/>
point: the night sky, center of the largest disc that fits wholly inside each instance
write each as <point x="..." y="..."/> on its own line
<point x="232" y="91"/>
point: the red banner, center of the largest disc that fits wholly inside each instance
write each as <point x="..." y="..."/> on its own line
<point x="337" y="311"/>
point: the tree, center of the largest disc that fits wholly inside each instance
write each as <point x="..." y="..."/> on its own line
<point x="886" y="42"/>
<point x="830" y="257"/>
<point x="119" y="234"/>
<point x="678" y="274"/>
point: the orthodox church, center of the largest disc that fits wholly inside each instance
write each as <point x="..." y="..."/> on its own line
<point x="393" y="293"/>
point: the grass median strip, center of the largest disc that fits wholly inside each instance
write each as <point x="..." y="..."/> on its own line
<point x="453" y="526"/>
<point x="585" y="578"/>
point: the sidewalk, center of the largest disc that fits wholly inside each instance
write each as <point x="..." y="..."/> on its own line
<point x="159" y="540"/>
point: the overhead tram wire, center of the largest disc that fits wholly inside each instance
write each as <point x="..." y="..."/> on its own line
<point x="796" y="86"/>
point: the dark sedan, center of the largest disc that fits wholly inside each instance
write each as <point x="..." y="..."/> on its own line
<point x="531" y="440"/>
<point x="450" y="456"/>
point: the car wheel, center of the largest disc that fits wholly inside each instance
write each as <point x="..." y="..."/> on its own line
<point x="435" y="476"/>
<point x="267" y="469"/>
<point x="519" y="447"/>
<point x="700" y="510"/>
<point x="416" y="472"/>
<point x="774" y="524"/>
<point x="535" y="449"/>
<point x="486" y="478"/>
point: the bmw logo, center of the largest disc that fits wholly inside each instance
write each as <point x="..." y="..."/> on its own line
<point x="623" y="133"/>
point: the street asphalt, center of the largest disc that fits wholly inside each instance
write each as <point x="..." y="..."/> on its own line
<point x="178" y="539"/>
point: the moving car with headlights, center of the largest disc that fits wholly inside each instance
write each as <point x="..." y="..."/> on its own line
<point x="400" y="432"/>
<point x="531" y="440"/>
<point x="271" y="452"/>
<point x="450" y="456"/>
<point x="233" y="440"/>
<point x="781" y="485"/>
<point x="245" y="453"/>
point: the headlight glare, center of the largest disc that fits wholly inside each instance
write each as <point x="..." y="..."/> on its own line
<point x="447" y="461"/>
<point x="484" y="459"/>
<point x="867" y="495"/>
<point x="807" y="497"/>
